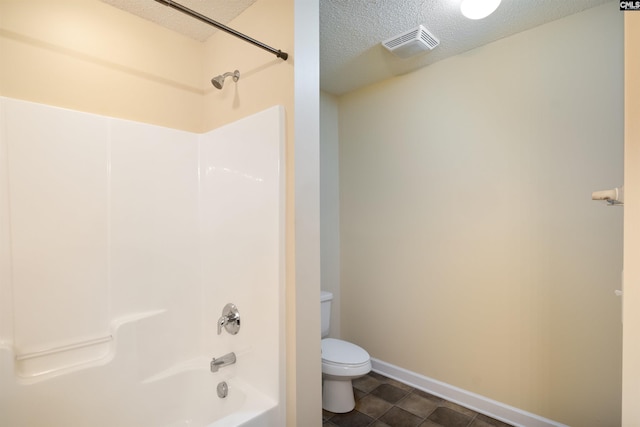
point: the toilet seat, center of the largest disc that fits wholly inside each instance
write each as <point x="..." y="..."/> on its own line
<point x="342" y="358"/>
<point x="343" y="352"/>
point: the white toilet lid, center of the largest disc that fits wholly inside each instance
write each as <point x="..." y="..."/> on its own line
<point x="343" y="352"/>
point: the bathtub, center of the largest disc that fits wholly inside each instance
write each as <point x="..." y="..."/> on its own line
<point x="102" y="397"/>
<point x="127" y="384"/>
<point x="243" y="406"/>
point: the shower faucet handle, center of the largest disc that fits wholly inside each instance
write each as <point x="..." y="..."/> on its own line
<point x="230" y="319"/>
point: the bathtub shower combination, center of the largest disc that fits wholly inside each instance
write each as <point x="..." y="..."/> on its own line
<point x="122" y="248"/>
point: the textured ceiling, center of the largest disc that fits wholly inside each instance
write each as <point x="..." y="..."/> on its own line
<point x="222" y="11"/>
<point x="351" y="31"/>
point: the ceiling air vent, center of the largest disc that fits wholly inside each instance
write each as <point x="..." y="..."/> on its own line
<point x="411" y="42"/>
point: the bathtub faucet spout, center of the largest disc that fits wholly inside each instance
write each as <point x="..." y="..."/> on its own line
<point x="227" y="359"/>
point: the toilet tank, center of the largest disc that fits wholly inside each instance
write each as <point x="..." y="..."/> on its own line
<point x="325" y="312"/>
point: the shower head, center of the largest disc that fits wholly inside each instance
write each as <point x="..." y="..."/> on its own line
<point x="218" y="81"/>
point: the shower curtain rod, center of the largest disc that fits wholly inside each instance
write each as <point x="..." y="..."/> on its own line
<point x="196" y="15"/>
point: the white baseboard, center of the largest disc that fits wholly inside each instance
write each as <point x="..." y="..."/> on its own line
<point x="473" y="401"/>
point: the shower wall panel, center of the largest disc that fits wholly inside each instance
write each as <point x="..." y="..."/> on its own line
<point x="154" y="238"/>
<point x="105" y="222"/>
<point x="58" y="174"/>
<point x="242" y="168"/>
<point x="102" y="219"/>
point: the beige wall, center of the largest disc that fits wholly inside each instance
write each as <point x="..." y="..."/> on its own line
<point x="264" y="78"/>
<point x="88" y="56"/>
<point x="329" y="208"/>
<point x="471" y="252"/>
<point x="631" y="346"/>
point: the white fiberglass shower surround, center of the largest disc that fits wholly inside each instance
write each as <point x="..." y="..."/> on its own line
<point x="120" y="244"/>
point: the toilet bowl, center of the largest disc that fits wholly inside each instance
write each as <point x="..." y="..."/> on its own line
<point x="342" y="362"/>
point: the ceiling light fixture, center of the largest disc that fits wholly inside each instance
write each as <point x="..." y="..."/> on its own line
<point x="478" y="9"/>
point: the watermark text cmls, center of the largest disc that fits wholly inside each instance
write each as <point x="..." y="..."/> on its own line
<point x="630" y="5"/>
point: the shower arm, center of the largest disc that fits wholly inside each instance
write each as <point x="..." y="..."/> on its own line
<point x="196" y="15"/>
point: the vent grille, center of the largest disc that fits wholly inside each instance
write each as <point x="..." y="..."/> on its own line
<point x="401" y="39"/>
<point x="429" y="39"/>
<point x="411" y="42"/>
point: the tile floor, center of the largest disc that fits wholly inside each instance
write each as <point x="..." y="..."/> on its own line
<point x="383" y="402"/>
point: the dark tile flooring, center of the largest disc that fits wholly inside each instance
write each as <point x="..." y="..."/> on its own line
<point x="383" y="402"/>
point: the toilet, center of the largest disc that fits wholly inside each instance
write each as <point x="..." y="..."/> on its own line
<point x="342" y="362"/>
